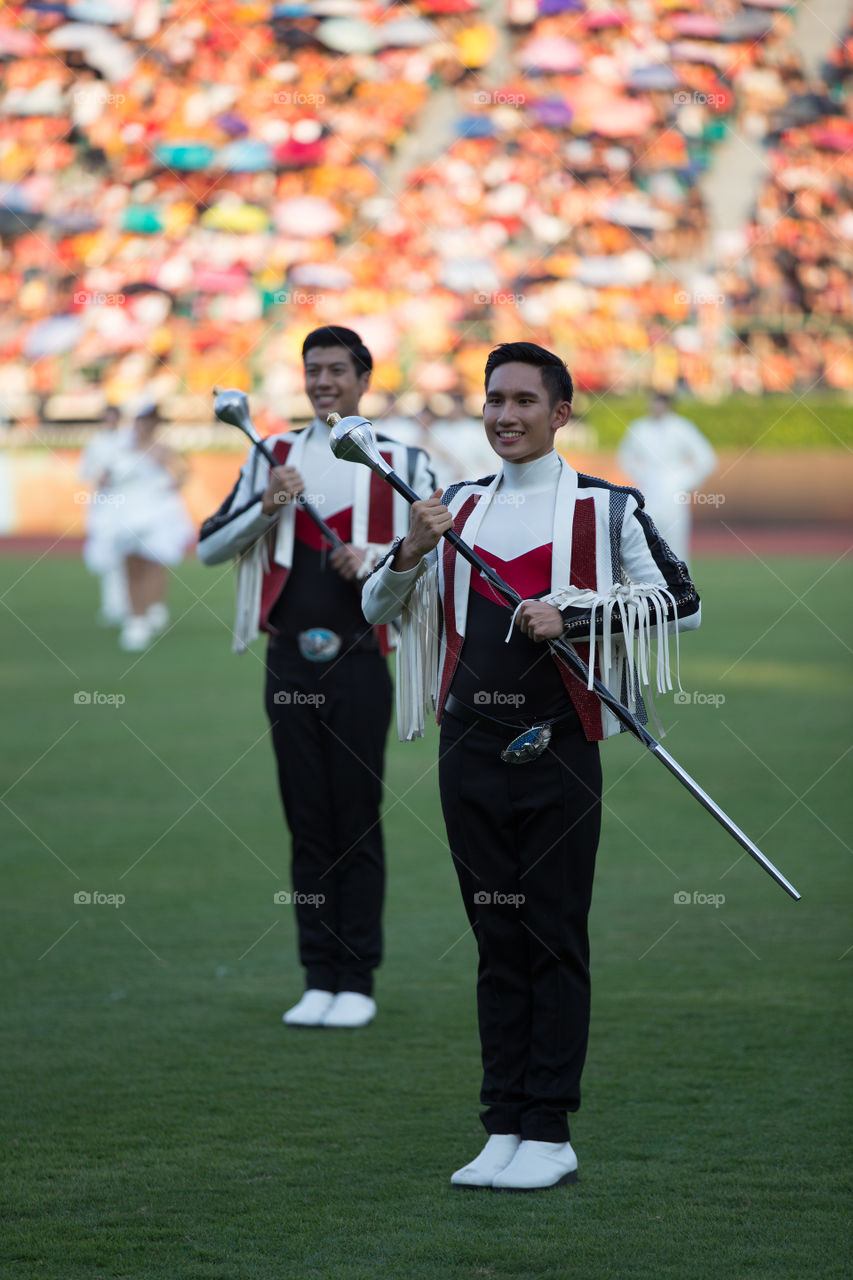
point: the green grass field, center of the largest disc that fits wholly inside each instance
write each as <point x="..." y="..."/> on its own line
<point x="160" y="1120"/>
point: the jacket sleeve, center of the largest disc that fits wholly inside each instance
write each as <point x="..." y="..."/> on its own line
<point x="385" y="591"/>
<point x="239" y="522"/>
<point x="645" y="560"/>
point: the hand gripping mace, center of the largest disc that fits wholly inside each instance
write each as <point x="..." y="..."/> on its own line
<point x="232" y="407"/>
<point x="352" y="439"/>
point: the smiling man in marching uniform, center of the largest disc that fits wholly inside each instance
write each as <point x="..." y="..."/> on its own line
<point x="328" y="691"/>
<point x="519" y="769"/>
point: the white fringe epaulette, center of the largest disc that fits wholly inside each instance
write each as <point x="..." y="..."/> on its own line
<point x="252" y="564"/>
<point x="641" y="606"/>
<point x="417" y="655"/>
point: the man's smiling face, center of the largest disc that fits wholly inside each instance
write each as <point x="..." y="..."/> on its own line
<point x="518" y="416"/>
<point x="332" y="382"/>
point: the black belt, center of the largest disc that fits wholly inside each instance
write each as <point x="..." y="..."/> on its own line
<point x="498" y="728"/>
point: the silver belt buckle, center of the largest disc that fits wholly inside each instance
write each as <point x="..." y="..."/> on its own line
<point x="528" y="745"/>
<point x="319" y="644"/>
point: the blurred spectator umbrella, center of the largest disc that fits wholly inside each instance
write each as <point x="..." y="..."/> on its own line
<point x="658" y="78"/>
<point x="143" y="219"/>
<point x="599" y="19"/>
<point x="746" y="26"/>
<point x="248" y="155"/>
<point x="52" y="337"/>
<point x="15" y="43"/>
<point x="348" y="35"/>
<point x="704" y="26"/>
<point x="185" y="155"/>
<point x="78" y="35"/>
<point x="306" y="216"/>
<point x="111" y="12"/>
<point x="548" y="8"/>
<point x="475" y="127"/>
<point x="554" y="113"/>
<point x="551" y="53"/>
<point x="322" y="275"/>
<point x="408" y="33"/>
<point x="449" y="6"/>
<point x="209" y="279"/>
<point x="235" y="217"/>
<point x="623" y="118"/>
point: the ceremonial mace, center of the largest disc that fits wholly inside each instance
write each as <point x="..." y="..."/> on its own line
<point x="352" y="439"/>
<point x="232" y="407"/>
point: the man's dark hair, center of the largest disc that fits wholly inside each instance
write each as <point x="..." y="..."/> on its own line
<point x="556" y="378"/>
<point x="335" y="335"/>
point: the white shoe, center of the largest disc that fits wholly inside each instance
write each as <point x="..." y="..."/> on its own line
<point x="495" y="1156"/>
<point x="311" y="1010"/>
<point x="158" y="618"/>
<point x="135" y="634"/>
<point x="350" y="1009"/>
<point x="538" y="1164"/>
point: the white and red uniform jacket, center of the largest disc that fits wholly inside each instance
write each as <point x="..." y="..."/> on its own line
<point x="599" y="541"/>
<point x="360" y="506"/>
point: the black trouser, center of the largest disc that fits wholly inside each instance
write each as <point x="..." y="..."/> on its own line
<point x="329" y="723"/>
<point x="523" y="839"/>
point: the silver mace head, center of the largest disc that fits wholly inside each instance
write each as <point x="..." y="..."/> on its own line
<point x="233" y="407"/>
<point x="352" y="439"/>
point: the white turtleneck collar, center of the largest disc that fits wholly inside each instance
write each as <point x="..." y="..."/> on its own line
<point x="521" y="514"/>
<point x="538" y="474"/>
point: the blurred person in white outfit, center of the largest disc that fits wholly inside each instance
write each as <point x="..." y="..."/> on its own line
<point x="668" y="458"/>
<point x="154" y="527"/>
<point x="100" y="553"/>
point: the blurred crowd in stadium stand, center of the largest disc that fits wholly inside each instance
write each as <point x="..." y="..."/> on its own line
<point x="186" y="190"/>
